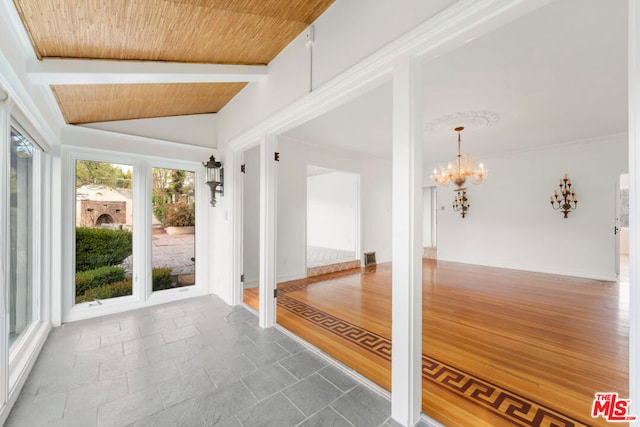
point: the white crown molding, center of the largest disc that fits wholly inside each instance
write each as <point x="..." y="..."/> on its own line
<point x="616" y="137"/>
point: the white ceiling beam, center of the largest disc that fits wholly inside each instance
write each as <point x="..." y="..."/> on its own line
<point x="92" y="71"/>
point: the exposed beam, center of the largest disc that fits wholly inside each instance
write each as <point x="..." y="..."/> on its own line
<point x="91" y="71"/>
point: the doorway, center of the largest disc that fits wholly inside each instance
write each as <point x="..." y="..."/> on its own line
<point x="251" y="228"/>
<point x="429" y="222"/>
<point x="333" y="220"/>
<point x="621" y="228"/>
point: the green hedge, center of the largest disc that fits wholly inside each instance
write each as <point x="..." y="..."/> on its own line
<point x="99" y="247"/>
<point x="161" y="279"/>
<point x="118" y="289"/>
<point x="100" y="276"/>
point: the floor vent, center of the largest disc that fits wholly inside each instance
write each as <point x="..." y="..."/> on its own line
<point x="369" y="258"/>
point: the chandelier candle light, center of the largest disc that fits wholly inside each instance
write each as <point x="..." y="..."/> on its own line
<point x="465" y="168"/>
<point x="567" y="200"/>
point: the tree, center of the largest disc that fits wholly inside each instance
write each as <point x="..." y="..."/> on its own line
<point x="169" y="188"/>
<point x="102" y="173"/>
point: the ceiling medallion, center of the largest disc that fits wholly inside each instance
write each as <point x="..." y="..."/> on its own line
<point x="468" y="119"/>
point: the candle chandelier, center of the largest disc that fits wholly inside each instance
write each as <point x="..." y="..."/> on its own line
<point x="465" y="168"/>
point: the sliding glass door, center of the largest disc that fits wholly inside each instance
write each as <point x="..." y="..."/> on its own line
<point x="21" y="235"/>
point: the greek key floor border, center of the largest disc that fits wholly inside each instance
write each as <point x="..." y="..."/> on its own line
<point x="502" y="402"/>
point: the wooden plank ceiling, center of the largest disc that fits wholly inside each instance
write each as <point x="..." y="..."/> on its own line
<point x="248" y="32"/>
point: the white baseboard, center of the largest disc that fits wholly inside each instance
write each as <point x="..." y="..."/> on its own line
<point x="291" y="277"/>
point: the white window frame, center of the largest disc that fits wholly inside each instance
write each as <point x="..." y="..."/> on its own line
<point x="142" y="295"/>
<point x="21" y="346"/>
<point x="199" y="176"/>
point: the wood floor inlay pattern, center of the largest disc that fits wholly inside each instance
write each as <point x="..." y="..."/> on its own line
<point x="367" y="340"/>
<point x="516" y="409"/>
<point x="500" y="347"/>
<point x="504" y="403"/>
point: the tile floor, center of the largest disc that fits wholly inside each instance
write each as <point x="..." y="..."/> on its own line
<point x="196" y="362"/>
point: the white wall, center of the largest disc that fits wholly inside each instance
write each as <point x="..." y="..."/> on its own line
<point x="427" y="208"/>
<point x="375" y="193"/>
<point x="196" y="129"/>
<point x="511" y="224"/>
<point x="345" y="34"/>
<point x="251" y="217"/>
<point x="332" y="209"/>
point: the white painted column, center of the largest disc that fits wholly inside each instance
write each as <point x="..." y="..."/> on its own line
<point x="268" y="181"/>
<point x="634" y="205"/>
<point x="406" y="380"/>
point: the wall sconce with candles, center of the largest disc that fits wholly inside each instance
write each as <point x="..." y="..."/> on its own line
<point x="567" y="200"/>
<point x="461" y="201"/>
<point x="215" y="178"/>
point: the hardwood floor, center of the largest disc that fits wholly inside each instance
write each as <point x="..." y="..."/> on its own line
<point x="500" y="347"/>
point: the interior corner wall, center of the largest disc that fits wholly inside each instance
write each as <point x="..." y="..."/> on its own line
<point x="511" y="224"/>
<point x="375" y="202"/>
<point x="251" y="217"/>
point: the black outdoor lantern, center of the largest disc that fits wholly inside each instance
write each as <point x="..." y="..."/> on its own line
<point x="215" y="178"/>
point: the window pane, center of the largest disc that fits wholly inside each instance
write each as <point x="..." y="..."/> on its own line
<point x="21" y="236"/>
<point x="174" y="219"/>
<point x="104" y="225"/>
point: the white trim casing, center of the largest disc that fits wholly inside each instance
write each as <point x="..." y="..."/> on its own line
<point x="268" y="200"/>
<point x="16" y="363"/>
<point x="634" y="206"/>
<point x="236" y="211"/>
<point x="5" y="129"/>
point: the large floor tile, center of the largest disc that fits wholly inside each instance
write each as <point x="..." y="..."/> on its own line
<point x="218" y="368"/>
<point x="303" y="363"/>
<point x="312" y="394"/>
<point x="183" y="414"/>
<point x="363" y="407"/>
<point x="129" y="408"/>
<point x="268" y="381"/>
<point x="224" y="402"/>
<point x="275" y="411"/>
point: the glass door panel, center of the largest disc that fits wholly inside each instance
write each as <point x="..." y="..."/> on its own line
<point x="173" y="228"/>
<point x="20" y="235"/>
<point x="104" y="226"/>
